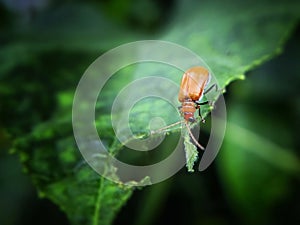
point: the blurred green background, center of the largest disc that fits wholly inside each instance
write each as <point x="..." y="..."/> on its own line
<point x="47" y="45"/>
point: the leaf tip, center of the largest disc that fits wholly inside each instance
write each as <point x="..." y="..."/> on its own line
<point x="191" y="153"/>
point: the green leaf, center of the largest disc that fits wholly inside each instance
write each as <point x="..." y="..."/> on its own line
<point x="50" y="157"/>
<point x="191" y="152"/>
<point x="231" y="36"/>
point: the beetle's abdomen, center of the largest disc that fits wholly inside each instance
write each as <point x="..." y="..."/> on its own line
<point x="188" y="109"/>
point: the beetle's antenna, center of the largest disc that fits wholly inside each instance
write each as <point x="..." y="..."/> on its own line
<point x="174" y="124"/>
<point x="166" y="127"/>
<point x="192" y="136"/>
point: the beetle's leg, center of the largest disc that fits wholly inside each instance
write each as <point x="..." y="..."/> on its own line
<point x="198" y="107"/>
<point x="211" y="103"/>
<point x="179" y="108"/>
<point x="202" y="119"/>
<point x="210" y="88"/>
<point x="220" y="91"/>
<point x="201" y="103"/>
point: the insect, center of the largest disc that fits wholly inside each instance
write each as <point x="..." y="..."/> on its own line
<point x="192" y="88"/>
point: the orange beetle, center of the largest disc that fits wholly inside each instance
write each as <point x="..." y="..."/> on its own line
<point x="192" y="89"/>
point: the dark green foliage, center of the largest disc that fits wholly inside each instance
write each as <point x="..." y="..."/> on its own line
<point x="43" y="62"/>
